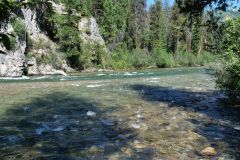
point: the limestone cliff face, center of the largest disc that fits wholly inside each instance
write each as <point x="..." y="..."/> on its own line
<point x="90" y="30"/>
<point x="13" y="62"/>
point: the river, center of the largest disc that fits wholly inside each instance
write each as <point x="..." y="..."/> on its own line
<point x="163" y="114"/>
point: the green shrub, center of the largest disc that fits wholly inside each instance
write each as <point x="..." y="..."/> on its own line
<point x="43" y="59"/>
<point x="93" y="55"/>
<point x="139" y="59"/>
<point x="161" y="58"/>
<point x="183" y="58"/>
<point x="12" y="43"/>
<point x="120" y="59"/>
<point x="228" y="79"/>
<point x="19" y="27"/>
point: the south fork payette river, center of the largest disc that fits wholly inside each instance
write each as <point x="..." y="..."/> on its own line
<point x="166" y="114"/>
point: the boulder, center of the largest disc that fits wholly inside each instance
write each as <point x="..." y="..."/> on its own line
<point x="209" y="151"/>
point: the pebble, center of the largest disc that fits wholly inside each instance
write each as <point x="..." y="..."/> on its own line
<point x="140" y="116"/>
<point x="127" y="151"/>
<point x="91" y="114"/>
<point x="136" y="126"/>
<point x="209" y="151"/>
<point x="138" y="145"/>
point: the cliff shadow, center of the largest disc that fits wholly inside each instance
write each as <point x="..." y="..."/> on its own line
<point x="60" y="126"/>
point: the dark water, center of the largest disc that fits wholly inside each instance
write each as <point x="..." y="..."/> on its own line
<point x="156" y="114"/>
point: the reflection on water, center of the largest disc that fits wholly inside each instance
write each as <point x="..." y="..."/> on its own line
<point x="163" y="114"/>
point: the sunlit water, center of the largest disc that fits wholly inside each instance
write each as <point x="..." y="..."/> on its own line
<point x="157" y="114"/>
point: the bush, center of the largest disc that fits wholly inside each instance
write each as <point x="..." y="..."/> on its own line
<point x="161" y="58"/>
<point x="185" y="58"/>
<point x="19" y="28"/>
<point x="228" y="79"/>
<point x="139" y="59"/>
<point x="93" y="55"/>
<point x="120" y="59"/>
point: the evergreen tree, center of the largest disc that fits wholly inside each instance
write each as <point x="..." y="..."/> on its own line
<point x="137" y="25"/>
<point x="157" y="36"/>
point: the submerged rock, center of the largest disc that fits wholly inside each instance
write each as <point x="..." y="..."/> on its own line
<point x="91" y="114"/>
<point x="209" y="151"/>
<point x="56" y="126"/>
<point x="13" y="139"/>
<point x="40" y="131"/>
<point x="136" y="126"/>
<point x="127" y="151"/>
<point x="107" y="122"/>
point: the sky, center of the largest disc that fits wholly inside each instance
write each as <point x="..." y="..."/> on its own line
<point x="149" y="2"/>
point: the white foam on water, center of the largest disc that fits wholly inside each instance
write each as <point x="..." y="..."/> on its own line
<point x="43" y="77"/>
<point x="100" y="74"/>
<point x="154" y="78"/>
<point x="150" y="73"/>
<point x="154" y="81"/>
<point x="14" y="78"/>
<point x="94" y="85"/>
<point x="128" y="74"/>
<point x="237" y="127"/>
<point x="58" y="129"/>
<point x="113" y="74"/>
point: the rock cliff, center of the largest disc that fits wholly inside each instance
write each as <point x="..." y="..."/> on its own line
<point x="15" y="57"/>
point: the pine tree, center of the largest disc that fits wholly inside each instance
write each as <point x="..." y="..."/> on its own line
<point x="157" y="36"/>
<point x="137" y="24"/>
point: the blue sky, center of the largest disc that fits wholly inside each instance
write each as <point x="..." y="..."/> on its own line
<point x="149" y="2"/>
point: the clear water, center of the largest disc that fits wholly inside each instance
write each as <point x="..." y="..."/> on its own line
<point x="154" y="114"/>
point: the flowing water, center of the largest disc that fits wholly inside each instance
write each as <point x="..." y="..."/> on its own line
<point x="163" y="114"/>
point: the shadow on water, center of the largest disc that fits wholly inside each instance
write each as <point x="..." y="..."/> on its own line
<point x="218" y="123"/>
<point x="57" y="126"/>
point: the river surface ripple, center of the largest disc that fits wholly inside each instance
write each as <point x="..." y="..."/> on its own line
<point x="162" y="114"/>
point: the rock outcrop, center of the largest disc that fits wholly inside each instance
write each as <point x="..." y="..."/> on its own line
<point x="11" y="61"/>
<point x="17" y="61"/>
<point x="90" y="31"/>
